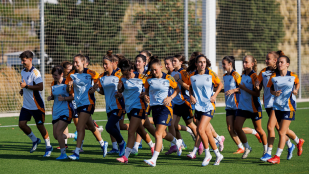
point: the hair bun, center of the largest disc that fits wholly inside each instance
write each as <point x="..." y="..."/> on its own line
<point x="109" y="52"/>
<point x="280" y="53"/>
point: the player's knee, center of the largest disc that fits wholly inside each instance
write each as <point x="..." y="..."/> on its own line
<point x="22" y="125"/>
<point x="158" y="134"/>
<point x="282" y="133"/>
<point x="109" y="128"/>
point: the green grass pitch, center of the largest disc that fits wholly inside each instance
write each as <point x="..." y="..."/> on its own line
<point x="15" y="156"/>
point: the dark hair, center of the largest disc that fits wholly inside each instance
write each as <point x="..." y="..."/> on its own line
<point x="230" y="59"/>
<point x="65" y="64"/>
<point x="192" y="66"/>
<point x="148" y="53"/>
<point x="169" y="58"/>
<point x="182" y="59"/>
<point x="141" y="56"/>
<point x="286" y="58"/>
<point x="208" y="64"/>
<point x="26" y="54"/>
<point x="125" y="65"/>
<point x="58" y="69"/>
<point x="254" y="61"/>
<point x="153" y="60"/>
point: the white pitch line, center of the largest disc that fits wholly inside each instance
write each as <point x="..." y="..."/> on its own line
<point x="220" y="113"/>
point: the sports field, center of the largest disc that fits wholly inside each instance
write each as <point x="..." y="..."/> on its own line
<point x="15" y="156"/>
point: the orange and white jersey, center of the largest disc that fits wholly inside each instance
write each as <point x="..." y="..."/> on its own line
<point x="32" y="99"/>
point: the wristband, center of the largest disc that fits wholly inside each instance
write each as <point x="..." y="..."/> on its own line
<point x="26" y="86"/>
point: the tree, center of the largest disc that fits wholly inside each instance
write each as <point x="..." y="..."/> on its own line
<point x="162" y="28"/>
<point x="253" y="26"/>
<point x="88" y="28"/>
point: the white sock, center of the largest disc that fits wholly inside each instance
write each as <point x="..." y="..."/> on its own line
<point x="265" y="147"/>
<point x="155" y="156"/>
<point x="216" y="141"/>
<point x="150" y="144"/>
<point x="296" y="140"/>
<point x="279" y="151"/>
<point x="101" y="143"/>
<point x="81" y="146"/>
<point x="77" y="150"/>
<point x="207" y="152"/>
<point x="218" y="138"/>
<point x="189" y="130"/>
<point x="183" y="143"/>
<point x="32" y="137"/>
<point x="100" y="129"/>
<point x="217" y="152"/>
<point x="269" y="149"/>
<point x="122" y="142"/>
<point x="71" y="135"/>
<point x="240" y="146"/>
<point x="254" y="132"/>
<point x="174" y="140"/>
<point x="62" y="150"/>
<point x="246" y="145"/>
<point x="288" y="143"/>
<point x="47" y="142"/>
<point x="115" y="145"/>
<point x="65" y="141"/>
<point x="195" y="150"/>
<point x="127" y="152"/>
<point x="135" y="147"/>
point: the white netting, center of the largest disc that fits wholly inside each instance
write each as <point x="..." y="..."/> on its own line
<point x="93" y="27"/>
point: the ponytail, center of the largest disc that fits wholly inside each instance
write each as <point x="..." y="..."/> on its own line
<point x="125" y="65"/>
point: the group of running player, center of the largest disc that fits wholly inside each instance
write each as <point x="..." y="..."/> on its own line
<point x="140" y="87"/>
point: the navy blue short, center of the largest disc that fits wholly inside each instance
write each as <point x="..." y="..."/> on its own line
<point x="117" y="113"/>
<point x="73" y="108"/>
<point x="63" y="118"/>
<point x="87" y="109"/>
<point x="285" y="115"/>
<point x="138" y="113"/>
<point x="268" y="110"/>
<point x="230" y="112"/>
<point x="183" y="111"/>
<point x="162" y="115"/>
<point x="198" y="114"/>
<point x="255" y="116"/>
<point x="38" y="115"/>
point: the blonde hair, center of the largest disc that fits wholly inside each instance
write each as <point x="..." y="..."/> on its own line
<point x="253" y="60"/>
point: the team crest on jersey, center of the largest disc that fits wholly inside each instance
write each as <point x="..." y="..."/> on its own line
<point x="230" y="80"/>
<point x="194" y="80"/>
<point x="276" y="81"/>
<point x="63" y="88"/>
<point x="164" y="83"/>
<point x="290" y="80"/>
<point x="207" y="79"/>
<point x="247" y="81"/>
<point x="113" y="81"/>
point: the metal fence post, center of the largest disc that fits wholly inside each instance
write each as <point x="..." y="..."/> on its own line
<point x="299" y="44"/>
<point x="42" y="52"/>
<point x="186" y="28"/>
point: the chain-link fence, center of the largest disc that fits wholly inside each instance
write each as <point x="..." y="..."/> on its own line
<point x="129" y="26"/>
